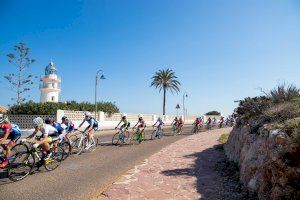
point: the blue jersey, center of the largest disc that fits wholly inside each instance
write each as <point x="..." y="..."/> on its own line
<point x="15" y="129"/>
<point x="58" y="128"/>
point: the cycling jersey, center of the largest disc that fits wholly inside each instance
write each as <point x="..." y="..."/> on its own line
<point x="180" y="121"/>
<point x="160" y="122"/>
<point x="48" y="130"/>
<point x="141" y="123"/>
<point x="58" y="127"/>
<point x="70" y="126"/>
<point x="92" y="123"/>
<point x="14" y="131"/>
<point x="197" y="122"/>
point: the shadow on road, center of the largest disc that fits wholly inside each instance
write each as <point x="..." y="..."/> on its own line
<point x="204" y="171"/>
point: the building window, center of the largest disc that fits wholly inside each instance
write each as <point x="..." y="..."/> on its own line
<point x="53" y="85"/>
<point x="52" y="98"/>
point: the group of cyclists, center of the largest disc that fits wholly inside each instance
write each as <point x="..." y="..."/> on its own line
<point x="51" y="131"/>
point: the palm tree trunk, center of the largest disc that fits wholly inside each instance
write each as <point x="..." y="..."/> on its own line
<point x="164" y="104"/>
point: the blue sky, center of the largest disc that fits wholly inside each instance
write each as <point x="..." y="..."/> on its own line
<point x="220" y="50"/>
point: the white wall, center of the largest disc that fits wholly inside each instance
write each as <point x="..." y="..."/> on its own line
<point x="107" y="121"/>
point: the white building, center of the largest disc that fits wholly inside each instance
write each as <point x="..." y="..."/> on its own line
<point x="50" y="84"/>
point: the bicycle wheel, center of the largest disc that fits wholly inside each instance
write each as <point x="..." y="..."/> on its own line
<point x="160" y="134"/>
<point x="54" y="160"/>
<point x="81" y="142"/>
<point x="154" y="135"/>
<point x="66" y="146"/>
<point x="116" y="139"/>
<point x="134" y="139"/>
<point x="19" y="148"/>
<point x="93" y="145"/>
<point x="2" y="152"/>
<point x="21" y="166"/>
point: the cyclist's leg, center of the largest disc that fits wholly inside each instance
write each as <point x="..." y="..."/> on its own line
<point x="45" y="144"/>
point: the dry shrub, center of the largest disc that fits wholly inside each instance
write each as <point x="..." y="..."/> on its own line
<point x="282" y="112"/>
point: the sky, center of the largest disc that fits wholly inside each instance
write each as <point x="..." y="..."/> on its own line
<point x="221" y="51"/>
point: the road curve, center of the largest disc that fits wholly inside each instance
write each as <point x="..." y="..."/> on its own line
<point x="82" y="177"/>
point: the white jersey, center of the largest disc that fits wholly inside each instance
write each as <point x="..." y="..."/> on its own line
<point x="48" y="130"/>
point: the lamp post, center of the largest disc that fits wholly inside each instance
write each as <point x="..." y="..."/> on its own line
<point x="102" y="77"/>
<point x="185" y="95"/>
<point x="177" y="108"/>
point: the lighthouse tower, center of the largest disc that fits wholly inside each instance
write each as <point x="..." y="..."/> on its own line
<point x="50" y="86"/>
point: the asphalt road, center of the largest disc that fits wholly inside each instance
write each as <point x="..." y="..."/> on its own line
<point x="86" y="175"/>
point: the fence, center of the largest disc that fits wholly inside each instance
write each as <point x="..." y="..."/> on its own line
<point x="25" y="121"/>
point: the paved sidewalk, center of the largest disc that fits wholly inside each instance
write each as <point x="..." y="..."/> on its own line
<point x="183" y="170"/>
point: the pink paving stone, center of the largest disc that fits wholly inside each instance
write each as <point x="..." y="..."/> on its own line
<point x="171" y="173"/>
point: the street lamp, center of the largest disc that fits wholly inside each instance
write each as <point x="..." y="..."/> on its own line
<point x="177" y="108"/>
<point x="102" y="77"/>
<point x="185" y="95"/>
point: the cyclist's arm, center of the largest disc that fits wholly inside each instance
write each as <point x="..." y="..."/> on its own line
<point x="81" y="124"/>
<point x="34" y="133"/>
<point x="135" y="125"/>
<point x="118" y="124"/>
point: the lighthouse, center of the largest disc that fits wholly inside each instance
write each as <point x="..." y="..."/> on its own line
<point x="50" y="84"/>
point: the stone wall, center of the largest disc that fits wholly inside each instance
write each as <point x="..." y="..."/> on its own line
<point x="262" y="168"/>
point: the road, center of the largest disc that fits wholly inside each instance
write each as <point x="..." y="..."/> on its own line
<point x="86" y="175"/>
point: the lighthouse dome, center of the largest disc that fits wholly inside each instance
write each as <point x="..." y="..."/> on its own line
<point x="50" y="69"/>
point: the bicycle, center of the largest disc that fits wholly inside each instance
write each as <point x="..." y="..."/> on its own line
<point x="80" y="144"/>
<point x="137" y="137"/>
<point x="33" y="157"/>
<point x="120" y="137"/>
<point x="175" y="130"/>
<point x="157" y="134"/>
<point x="196" y="129"/>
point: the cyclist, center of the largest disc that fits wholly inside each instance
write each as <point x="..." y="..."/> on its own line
<point x="221" y="122"/>
<point x="92" y="127"/>
<point x="197" y="122"/>
<point x="208" y="122"/>
<point x="60" y="130"/>
<point x="180" y="125"/>
<point x="141" y="125"/>
<point x="160" y="124"/>
<point x="126" y="124"/>
<point x="49" y="134"/>
<point x="175" y="123"/>
<point x="8" y="131"/>
<point x="69" y="127"/>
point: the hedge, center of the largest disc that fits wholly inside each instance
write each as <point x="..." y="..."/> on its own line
<point x="50" y="108"/>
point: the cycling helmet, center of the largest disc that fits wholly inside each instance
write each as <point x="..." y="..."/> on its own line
<point x="48" y="120"/>
<point x="140" y="116"/>
<point x="64" y="118"/>
<point x="37" y="122"/>
<point x="87" y="114"/>
<point x="124" y="115"/>
<point x="3" y="118"/>
<point x="159" y="118"/>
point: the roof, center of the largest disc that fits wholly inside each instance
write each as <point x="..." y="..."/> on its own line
<point x="3" y="109"/>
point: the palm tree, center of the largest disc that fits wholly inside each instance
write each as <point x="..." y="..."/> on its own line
<point x="165" y="80"/>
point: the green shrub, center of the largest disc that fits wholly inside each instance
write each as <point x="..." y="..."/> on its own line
<point x="213" y="113"/>
<point x="223" y="138"/>
<point x="50" y="108"/>
<point x="282" y="112"/>
<point x="252" y="107"/>
<point x="283" y="93"/>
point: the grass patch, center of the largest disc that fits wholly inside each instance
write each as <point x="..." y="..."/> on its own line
<point x="223" y="138"/>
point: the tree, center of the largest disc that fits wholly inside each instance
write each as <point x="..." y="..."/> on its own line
<point x="21" y="80"/>
<point x="165" y="80"/>
<point x="213" y="113"/>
